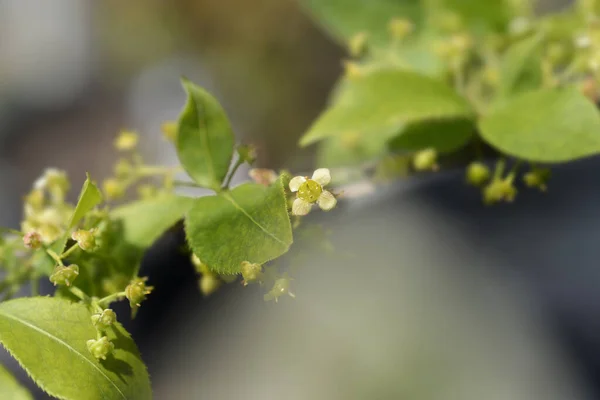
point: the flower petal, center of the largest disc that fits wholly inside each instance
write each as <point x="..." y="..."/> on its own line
<point x="296" y="182"/>
<point x="300" y="207"/>
<point x="326" y="201"/>
<point x="322" y="176"/>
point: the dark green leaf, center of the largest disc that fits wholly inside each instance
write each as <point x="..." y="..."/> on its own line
<point x="48" y="336"/>
<point x="249" y="223"/>
<point x="205" y="139"/>
<point x="549" y="125"/>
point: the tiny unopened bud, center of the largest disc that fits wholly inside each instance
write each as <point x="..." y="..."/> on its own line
<point x="209" y="283"/>
<point x="127" y="140"/>
<point x="537" y="178"/>
<point x="499" y="190"/>
<point x="478" y="173"/>
<point x="247" y="153"/>
<point x="113" y="189"/>
<point x="85" y="239"/>
<point x="169" y="130"/>
<point x="64" y="275"/>
<point x="400" y="28"/>
<point x="251" y="272"/>
<point x="32" y="240"/>
<point x="104" y="319"/>
<point x="357" y="45"/>
<point x="281" y="287"/>
<point x="263" y="176"/>
<point x="100" y="348"/>
<point x="136" y="291"/>
<point x="426" y="160"/>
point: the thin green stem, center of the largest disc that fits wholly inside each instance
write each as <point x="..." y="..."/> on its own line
<point x="515" y="169"/>
<point x="499" y="168"/>
<point x="237" y="164"/>
<point x="105" y="301"/>
<point x="55" y="256"/>
<point x="69" y="251"/>
<point x="79" y="293"/>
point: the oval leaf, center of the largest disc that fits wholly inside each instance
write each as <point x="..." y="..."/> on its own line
<point x="48" y="336"/>
<point x="10" y="388"/>
<point x="146" y="220"/>
<point x="344" y="19"/>
<point x="520" y="70"/>
<point x="205" y="139"/>
<point x="444" y="135"/>
<point x="550" y="125"/>
<point x="384" y="101"/>
<point x="248" y="223"/>
<point x="89" y="198"/>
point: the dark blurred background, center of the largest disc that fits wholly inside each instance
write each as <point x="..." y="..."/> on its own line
<point x="429" y="294"/>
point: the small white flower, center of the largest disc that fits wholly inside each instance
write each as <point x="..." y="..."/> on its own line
<point x="311" y="191"/>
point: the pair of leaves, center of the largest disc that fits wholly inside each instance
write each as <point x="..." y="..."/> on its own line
<point x="372" y="109"/>
<point x="59" y="361"/>
<point x="247" y="223"/>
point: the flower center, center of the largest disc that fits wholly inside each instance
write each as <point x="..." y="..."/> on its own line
<point x="310" y="191"/>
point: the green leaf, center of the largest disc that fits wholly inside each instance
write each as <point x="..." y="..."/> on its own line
<point x="48" y="336"/>
<point x="445" y="135"/>
<point x="379" y="103"/>
<point x="205" y="139"/>
<point x="549" y="125"/>
<point x="89" y="198"/>
<point x="248" y="223"/>
<point x="10" y="388"/>
<point x="520" y="70"/>
<point x="342" y="19"/>
<point x="146" y="220"/>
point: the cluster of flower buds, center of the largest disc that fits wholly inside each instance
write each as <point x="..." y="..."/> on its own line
<point x="137" y="291"/>
<point x="251" y="272"/>
<point x="63" y="275"/>
<point x="45" y="210"/>
<point x="100" y="348"/>
<point x="86" y="240"/>
<point x="425" y="160"/>
<point x="280" y="287"/>
<point x="104" y="320"/>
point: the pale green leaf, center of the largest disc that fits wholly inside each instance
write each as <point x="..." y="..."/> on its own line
<point x="145" y="221"/>
<point x="48" y="336"/>
<point x="248" y="223"/>
<point x="382" y="102"/>
<point x="10" y="388"/>
<point x="89" y="198"/>
<point x="342" y="19"/>
<point x="520" y="69"/>
<point x="548" y="125"/>
<point x="205" y="138"/>
<point x="444" y="135"/>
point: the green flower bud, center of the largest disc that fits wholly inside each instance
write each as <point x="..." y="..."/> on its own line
<point x="425" y="160"/>
<point x="247" y="153"/>
<point x="209" y="283"/>
<point x="136" y="291"/>
<point x="64" y="275"/>
<point x="32" y="240"/>
<point x="100" y="348"/>
<point x="105" y="319"/>
<point x="113" y="189"/>
<point x="357" y="45"/>
<point x="478" y="173"/>
<point x="85" y="239"/>
<point x="281" y="287"/>
<point x="499" y="190"/>
<point x="127" y="140"/>
<point x="251" y="272"/>
<point x="169" y="130"/>
<point x="537" y="178"/>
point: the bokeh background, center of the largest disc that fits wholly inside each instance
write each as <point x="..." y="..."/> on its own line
<point x="428" y="294"/>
